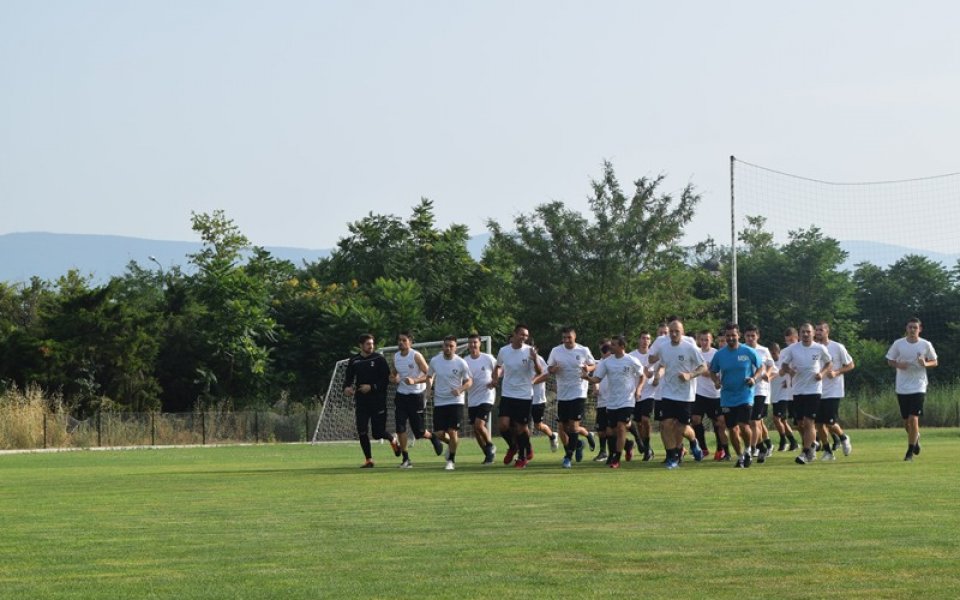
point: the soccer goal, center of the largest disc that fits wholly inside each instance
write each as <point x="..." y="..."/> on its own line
<point x="337" y="423"/>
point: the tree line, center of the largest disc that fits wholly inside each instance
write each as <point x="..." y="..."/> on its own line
<point x="240" y="328"/>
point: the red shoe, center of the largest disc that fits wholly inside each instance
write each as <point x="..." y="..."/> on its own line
<point x="521" y="463"/>
<point x="368" y="464"/>
<point x="718" y="455"/>
<point x="508" y="457"/>
<point x="530" y="454"/>
<point x="628" y="451"/>
<point x="395" y="445"/>
<point x="615" y="464"/>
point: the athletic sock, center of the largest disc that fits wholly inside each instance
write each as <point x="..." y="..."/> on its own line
<point x="700" y="433"/>
<point x="572" y="440"/>
<point x="767" y="443"/>
<point x="646" y="444"/>
<point x="603" y="445"/>
<point x="406" y="455"/>
<point x="783" y="439"/>
<point x="508" y="438"/>
<point x="365" y="445"/>
<point x="452" y="457"/>
<point x="792" y="439"/>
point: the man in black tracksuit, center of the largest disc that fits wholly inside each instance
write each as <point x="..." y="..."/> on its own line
<point x="367" y="379"/>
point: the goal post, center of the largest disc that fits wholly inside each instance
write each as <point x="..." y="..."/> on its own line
<point x="337" y="423"/>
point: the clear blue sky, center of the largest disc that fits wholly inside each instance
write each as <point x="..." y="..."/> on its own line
<point x="121" y="117"/>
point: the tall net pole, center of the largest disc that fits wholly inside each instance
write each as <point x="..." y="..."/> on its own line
<point x="733" y="246"/>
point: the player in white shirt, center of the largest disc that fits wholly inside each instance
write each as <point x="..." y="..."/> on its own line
<point x="911" y="356"/>
<point x="761" y="395"/>
<point x="450" y="375"/>
<point x="517" y="366"/>
<point x="566" y="363"/>
<point x="707" y="403"/>
<point x="681" y="363"/>
<point x="481" y="396"/>
<point x="600" y="392"/>
<point x="782" y="394"/>
<point x="833" y="391"/>
<point x="538" y="406"/>
<point x="624" y="376"/>
<point x="409" y="366"/>
<point x="807" y="362"/>
<point x="644" y="408"/>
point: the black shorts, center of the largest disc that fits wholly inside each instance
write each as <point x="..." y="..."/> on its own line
<point x="447" y="417"/>
<point x="517" y="409"/>
<point x="704" y="406"/>
<point x="601" y="418"/>
<point x="643" y="408"/>
<point x="737" y="415"/>
<point x="374" y="413"/>
<point x="410" y="408"/>
<point x="674" y="409"/>
<point x="828" y="411"/>
<point x="806" y="406"/>
<point x="570" y="410"/>
<point x="481" y="411"/>
<point x="759" y="410"/>
<point x="783" y="409"/>
<point x="619" y="415"/>
<point x="911" y="404"/>
<point x="656" y="409"/>
<point x="536" y="412"/>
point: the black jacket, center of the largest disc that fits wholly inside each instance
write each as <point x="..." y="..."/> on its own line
<point x="371" y="370"/>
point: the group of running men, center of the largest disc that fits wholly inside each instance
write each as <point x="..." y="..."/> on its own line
<point x="674" y="379"/>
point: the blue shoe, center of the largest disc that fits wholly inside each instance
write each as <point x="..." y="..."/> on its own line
<point x="566" y="464"/>
<point x="673" y="464"/>
<point x="579" y="451"/>
<point x="697" y="452"/>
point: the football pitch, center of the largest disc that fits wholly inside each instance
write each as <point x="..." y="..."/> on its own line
<point x="300" y="521"/>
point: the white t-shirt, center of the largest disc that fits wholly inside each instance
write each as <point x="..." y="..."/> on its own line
<point x="763" y="387"/>
<point x="780" y="388"/>
<point x="406" y="366"/>
<point x="622" y="376"/>
<point x="807" y="361"/>
<point x="481" y="371"/>
<point x="540" y="389"/>
<point x="648" y="390"/>
<point x="518" y="372"/>
<point x="570" y="386"/>
<point x="914" y="379"/>
<point x="839" y="357"/>
<point x="448" y="374"/>
<point x="705" y="385"/>
<point x="685" y="357"/>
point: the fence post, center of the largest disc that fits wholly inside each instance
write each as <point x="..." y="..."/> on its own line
<point x="306" y="424"/>
<point x="203" y="427"/>
<point x="44" y="429"/>
<point x="153" y="429"/>
<point x="957" y="405"/>
<point x="858" y="413"/>
<point x="99" y="435"/>
<point x="256" y="427"/>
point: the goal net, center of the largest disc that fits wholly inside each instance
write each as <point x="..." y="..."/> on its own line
<point x="337" y="423"/>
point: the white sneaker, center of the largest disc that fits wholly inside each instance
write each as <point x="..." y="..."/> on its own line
<point x="406" y="465"/>
<point x="769" y="452"/>
<point x="845" y="444"/>
<point x="450" y="466"/>
<point x="553" y="442"/>
<point x="828" y="456"/>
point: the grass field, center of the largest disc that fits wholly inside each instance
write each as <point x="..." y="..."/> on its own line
<point x="299" y="521"/>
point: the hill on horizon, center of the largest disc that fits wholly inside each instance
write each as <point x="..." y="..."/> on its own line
<point x="50" y="255"/>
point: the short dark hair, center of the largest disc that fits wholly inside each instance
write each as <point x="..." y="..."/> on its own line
<point x="731" y="325"/>
<point x="789" y="331"/>
<point x="405" y="333"/>
<point x="520" y="326"/>
<point x="704" y="332"/>
<point x="750" y="328"/>
<point x="568" y="329"/>
<point x="364" y="337"/>
<point x="773" y="347"/>
<point x="449" y="338"/>
<point x="473" y="336"/>
<point x="619" y="340"/>
<point x="914" y="320"/>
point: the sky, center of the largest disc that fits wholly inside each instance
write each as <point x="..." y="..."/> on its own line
<point x="297" y="118"/>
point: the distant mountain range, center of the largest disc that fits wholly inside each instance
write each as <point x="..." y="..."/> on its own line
<point x="50" y="255"/>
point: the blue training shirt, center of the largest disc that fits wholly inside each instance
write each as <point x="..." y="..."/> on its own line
<point x="734" y="367"/>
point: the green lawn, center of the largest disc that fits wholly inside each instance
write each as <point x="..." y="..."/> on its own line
<point x="298" y="521"/>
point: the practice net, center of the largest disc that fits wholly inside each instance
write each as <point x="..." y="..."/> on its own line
<point x="899" y="257"/>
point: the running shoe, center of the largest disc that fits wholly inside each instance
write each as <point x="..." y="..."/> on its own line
<point x="437" y="446"/>
<point x="628" y="450"/>
<point x="554" y="443"/>
<point x="578" y="453"/>
<point x="395" y="444"/>
<point x="508" y="457"/>
<point x="591" y="441"/>
<point x="567" y="463"/>
<point x="367" y="464"/>
<point x="406" y="464"/>
<point x="450" y="466"/>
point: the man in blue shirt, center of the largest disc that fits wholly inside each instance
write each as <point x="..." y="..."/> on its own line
<point x="736" y="368"/>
